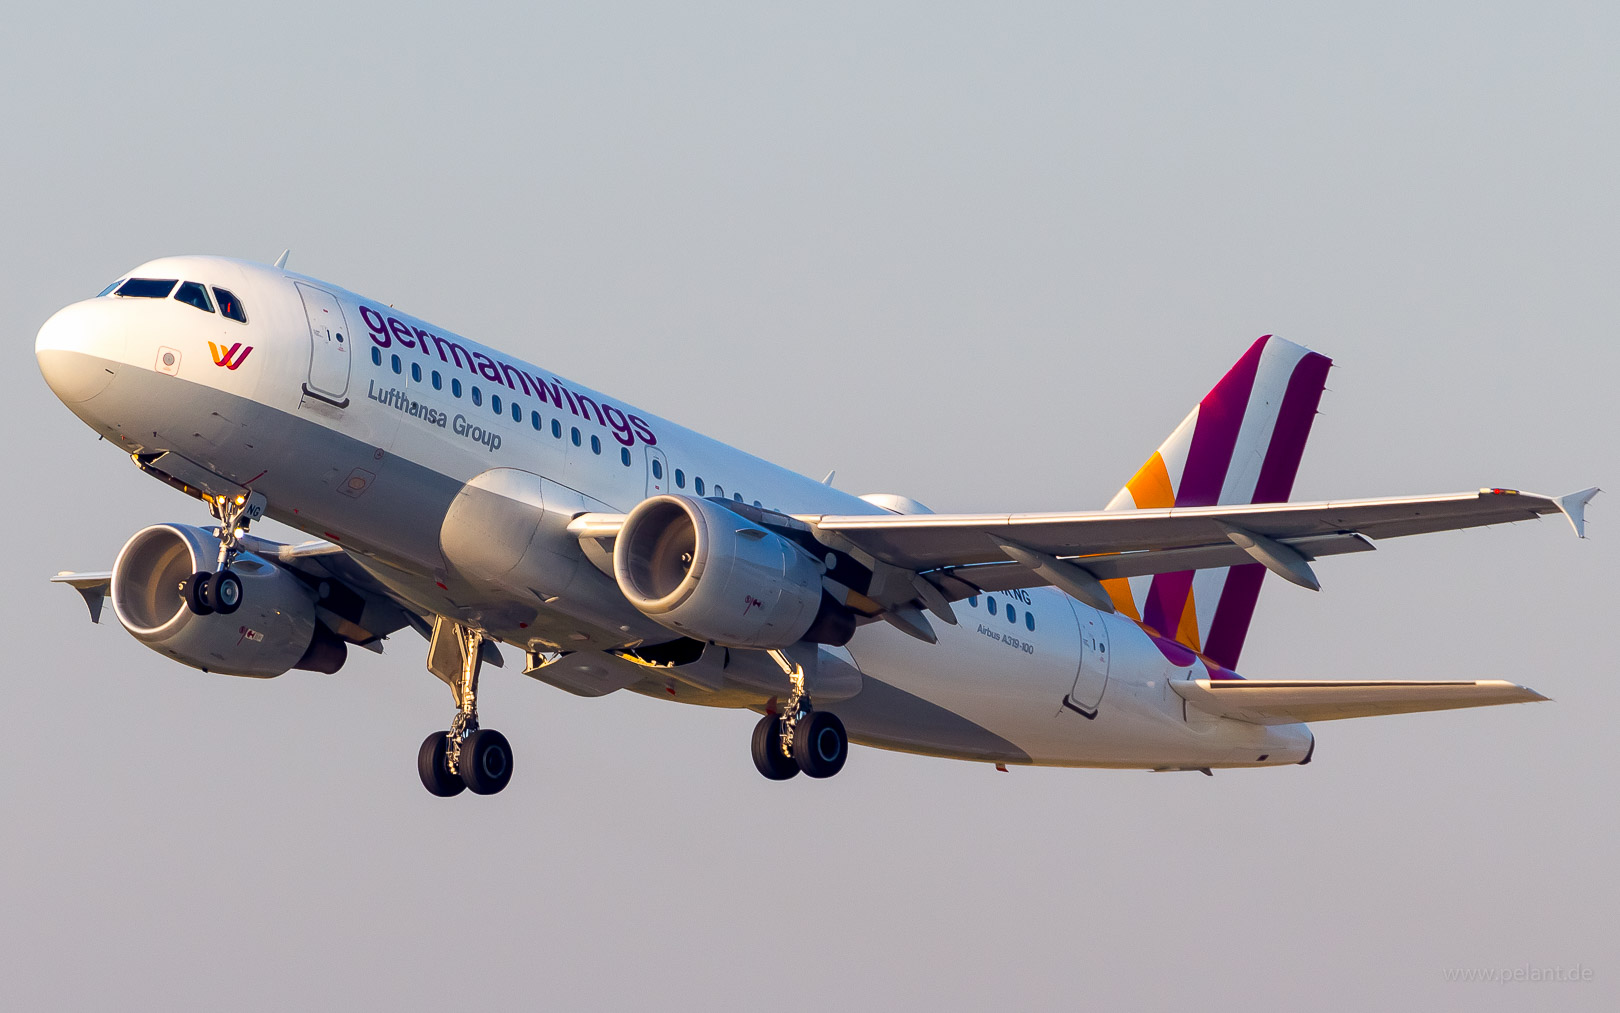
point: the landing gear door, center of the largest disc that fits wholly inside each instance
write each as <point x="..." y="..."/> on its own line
<point x="1092" y="678"/>
<point x="657" y="472"/>
<point x="329" y="342"/>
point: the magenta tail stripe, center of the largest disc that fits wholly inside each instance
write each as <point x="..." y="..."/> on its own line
<point x="1220" y="419"/>
<point x="1294" y="419"/>
<point x="1277" y="473"/>
<point x="1233" y="614"/>
<point x="1167" y="599"/>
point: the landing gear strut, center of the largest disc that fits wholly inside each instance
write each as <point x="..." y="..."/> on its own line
<point x="800" y="738"/>
<point x="466" y="756"/>
<point x="206" y="592"/>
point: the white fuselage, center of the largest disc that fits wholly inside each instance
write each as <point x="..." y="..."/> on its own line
<point x="361" y="425"/>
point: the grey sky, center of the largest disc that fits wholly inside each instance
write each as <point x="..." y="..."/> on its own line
<point x="987" y="256"/>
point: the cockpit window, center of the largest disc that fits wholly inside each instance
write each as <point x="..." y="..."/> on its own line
<point x="229" y="305"/>
<point x="147" y="288"/>
<point x="193" y="294"/>
<point x="109" y="288"/>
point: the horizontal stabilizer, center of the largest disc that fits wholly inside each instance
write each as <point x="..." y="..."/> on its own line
<point x="1285" y="701"/>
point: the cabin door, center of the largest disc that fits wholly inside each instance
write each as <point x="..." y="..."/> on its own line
<point x="329" y="342"/>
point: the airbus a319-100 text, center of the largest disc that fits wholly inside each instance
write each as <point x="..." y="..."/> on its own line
<point x="482" y="500"/>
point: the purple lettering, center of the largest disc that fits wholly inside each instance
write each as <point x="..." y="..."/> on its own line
<point x="583" y="400"/>
<point x="507" y="369"/>
<point x="379" y="330"/>
<point x="621" y="426"/>
<point x="457" y="353"/>
<point x="401" y="332"/>
<point x="645" y="433"/>
<point x="486" y="366"/>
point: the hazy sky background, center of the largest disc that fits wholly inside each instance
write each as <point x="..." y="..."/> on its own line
<point x="984" y="255"/>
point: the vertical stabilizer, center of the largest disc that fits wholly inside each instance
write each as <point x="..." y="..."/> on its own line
<point x="1241" y="444"/>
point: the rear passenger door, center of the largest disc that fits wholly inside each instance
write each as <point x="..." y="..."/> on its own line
<point x="329" y="342"/>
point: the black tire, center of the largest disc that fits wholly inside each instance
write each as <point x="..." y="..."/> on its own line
<point x="486" y="761"/>
<point x="432" y="763"/>
<point x="768" y="755"/>
<point x="195" y="593"/>
<point x="225" y="592"/>
<point x="820" y="745"/>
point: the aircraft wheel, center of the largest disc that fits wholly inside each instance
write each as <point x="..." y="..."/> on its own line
<point x="225" y="592"/>
<point x="195" y="593"/>
<point x="820" y="745"/>
<point x="486" y="761"/>
<point x="432" y="764"/>
<point x="768" y="756"/>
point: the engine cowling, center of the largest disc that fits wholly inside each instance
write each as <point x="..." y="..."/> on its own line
<point x="713" y="575"/>
<point x="274" y="630"/>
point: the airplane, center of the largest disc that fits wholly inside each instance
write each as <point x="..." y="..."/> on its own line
<point x="480" y="500"/>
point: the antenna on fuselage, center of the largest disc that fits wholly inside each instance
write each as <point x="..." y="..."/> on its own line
<point x="829" y="478"/>
<point x="281" y="261"/>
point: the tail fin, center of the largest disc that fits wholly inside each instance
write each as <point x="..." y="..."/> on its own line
<point x="1241" y="444"/>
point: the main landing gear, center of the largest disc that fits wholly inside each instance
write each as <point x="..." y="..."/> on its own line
<point x="800" y="738"/>
<point x="205" y="592"/>
<point x="466" y="756"/>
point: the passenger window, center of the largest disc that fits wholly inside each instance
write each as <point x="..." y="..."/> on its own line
<point x="574" y="435"/>
<point x="720" y="490"/>
<point x="477" y="395"/>
<point x="624" y="455"/>
<point x="517" y="413"/>
<point x="737" y="496"/>
<point x="229" y="306"/>
<point x="596" y="445"/>
<point x="193" y="294"/>
<point x="973" y="601"/>
<point x="657" y="467"/>
<point x="556" y="429"/>
<point x="438" y="381"/>
<point x="393" y="361"/>
<point x="680" y="479"/>
<point x="376" y="356"/>
<point x="147" y="288"/>
<point x="534" y="420"/>
<point x="494" y="402"/>
<point x="756" y="504"/>
<point x="455" y="387"/>
<point x="1029" y="621"/>
<point x="1012" y="614"/>
<point x="416" y="372"/>
<point x="697" y="485"/>
<point x="990" y="603"/>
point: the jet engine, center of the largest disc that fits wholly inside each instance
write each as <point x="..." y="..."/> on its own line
<point x="273" y="630"/>
<point x="709" y="573"/>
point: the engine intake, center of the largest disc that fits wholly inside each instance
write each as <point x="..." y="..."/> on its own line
<point x="708" y="573"/>
<point x="274" y="630"/>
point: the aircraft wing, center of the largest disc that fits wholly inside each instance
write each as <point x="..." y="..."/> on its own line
<point x="932" y="541"/>
<point x="963" y="554"/>
<point x="929" y="560"/>
<point x="1279" y="702"/>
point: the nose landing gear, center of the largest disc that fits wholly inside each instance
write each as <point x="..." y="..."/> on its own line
<point x="206" y="593"/>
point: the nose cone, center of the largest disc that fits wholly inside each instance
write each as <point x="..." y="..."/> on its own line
<point x="81" y="348"/>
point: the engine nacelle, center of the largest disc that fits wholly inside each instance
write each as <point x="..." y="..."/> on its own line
<point x="274" y="629"/>
<point x="713" y="575"/>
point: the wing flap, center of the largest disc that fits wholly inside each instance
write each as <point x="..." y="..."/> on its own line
<point x="1278" y="701"/>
